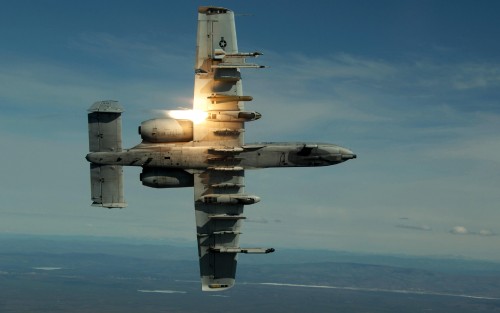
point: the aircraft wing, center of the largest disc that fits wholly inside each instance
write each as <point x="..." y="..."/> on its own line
<point x="219" y="190"/>
<point x="217" y="226"/>
<point x="217" y="85"/>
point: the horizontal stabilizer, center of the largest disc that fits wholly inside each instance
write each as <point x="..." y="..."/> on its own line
<point x="105" y="126"/>
<point x="105" y="135"/>
<point x="106" y="184"/>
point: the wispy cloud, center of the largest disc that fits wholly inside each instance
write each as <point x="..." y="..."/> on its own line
<point x="262" y="220"/>
<point x="49" y="88"/>
<point x="462" y="230"/>
<point x="162" y="291"/>
<point x="485" y="232"/>
<point x="475" y="76"/>
<point x="381" y="290"/>
<point x="343" y="66"/>
<point x="468" y="146"/>
<point x="422" y="79"/>
<point x="416" y="100"/>
<point x="45" y="268"/>
<point x="415" y="227"/>
<point x="137" y="52"/>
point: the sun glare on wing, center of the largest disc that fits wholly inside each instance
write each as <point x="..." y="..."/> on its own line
<point x="197" y="116"/>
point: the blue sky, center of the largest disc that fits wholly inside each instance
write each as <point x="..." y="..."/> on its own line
<point x="411" y="86"/>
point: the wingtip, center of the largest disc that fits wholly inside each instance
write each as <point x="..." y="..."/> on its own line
<point x="212" y="10"/>
<point x="208" y="284"/>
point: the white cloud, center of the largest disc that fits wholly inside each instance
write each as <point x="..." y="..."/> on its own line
<point x="476" y="76"/>
<point x="486" y="232"/>
<point x="459" y="230"/>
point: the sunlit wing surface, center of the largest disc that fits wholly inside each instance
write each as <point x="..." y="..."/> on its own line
<point x="219" y="190"/>
<point x="217" y="85"/>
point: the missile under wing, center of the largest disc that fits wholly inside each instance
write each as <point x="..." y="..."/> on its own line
<point x="219" y="190"/>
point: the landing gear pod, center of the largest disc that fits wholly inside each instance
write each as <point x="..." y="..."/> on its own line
<point x="166" y="178"/>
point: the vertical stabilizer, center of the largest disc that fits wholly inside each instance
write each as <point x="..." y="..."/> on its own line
<point x="105" y="126"/>
<point x="106" y="185"/>
<point x="105" y="135"/>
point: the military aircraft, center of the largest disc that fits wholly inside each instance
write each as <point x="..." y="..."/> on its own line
<point x="202" y="148"/>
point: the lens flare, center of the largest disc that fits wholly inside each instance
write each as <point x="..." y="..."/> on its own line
<point x="197" y="116"/>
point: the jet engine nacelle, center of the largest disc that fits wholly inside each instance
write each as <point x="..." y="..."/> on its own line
<point x="166" y="178"/>
<point x="163" y="130"/>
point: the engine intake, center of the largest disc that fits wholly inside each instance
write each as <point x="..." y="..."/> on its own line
<point x="164" y="130"/>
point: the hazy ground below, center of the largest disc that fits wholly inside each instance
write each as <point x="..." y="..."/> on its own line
<point x="96" y="275"/>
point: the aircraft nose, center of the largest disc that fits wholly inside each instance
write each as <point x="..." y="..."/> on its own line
<point x="347" y="154"/>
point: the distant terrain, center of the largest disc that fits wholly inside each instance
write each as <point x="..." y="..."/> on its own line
<point x="51" y="274"/>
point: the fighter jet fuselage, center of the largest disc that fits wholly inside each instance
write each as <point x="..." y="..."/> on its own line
<point x="252" y="156"/>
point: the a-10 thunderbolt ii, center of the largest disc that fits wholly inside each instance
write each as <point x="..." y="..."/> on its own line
<point x="202" y="148"/>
